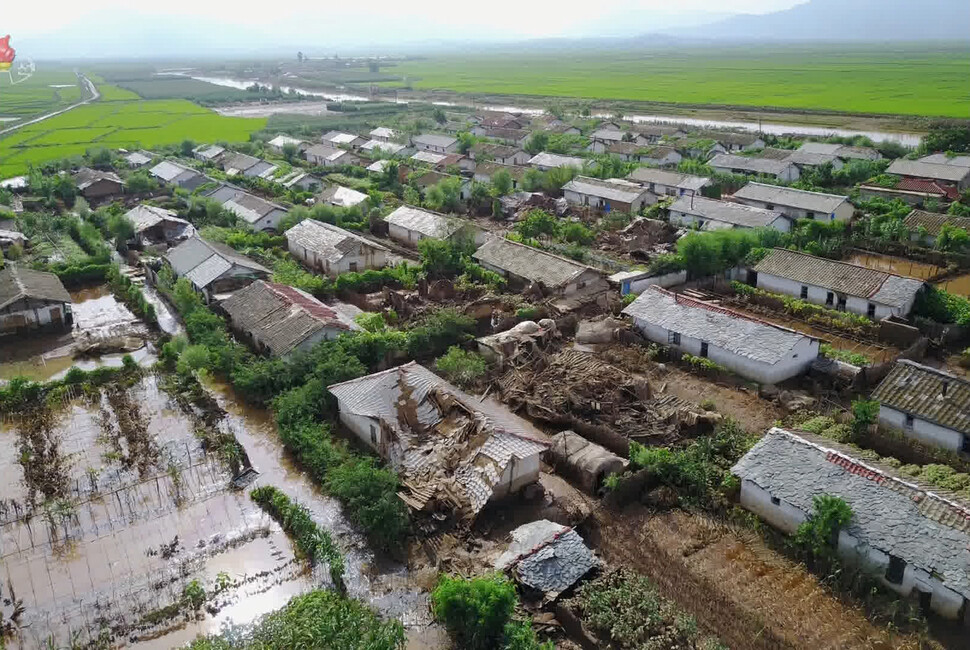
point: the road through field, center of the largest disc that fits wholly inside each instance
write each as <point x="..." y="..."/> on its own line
<point x="95" y="95"/>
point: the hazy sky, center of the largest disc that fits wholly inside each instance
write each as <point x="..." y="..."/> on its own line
<point x="90" y="27"/>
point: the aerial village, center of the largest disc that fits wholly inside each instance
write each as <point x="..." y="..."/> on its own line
<point x="627" y="365"/>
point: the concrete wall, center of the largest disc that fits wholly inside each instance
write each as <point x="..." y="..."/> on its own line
<point x="639" y="284"/>
<point x="786" y="517"/>
<point x="271" y="221"/>
<point x="819" y="296"/>
<point x="922" y="430"/>
<point x="435" y="148"/>
<point x="795" y="363"/>
<point x="578" y="198"/>
<point x="365" y="257"/>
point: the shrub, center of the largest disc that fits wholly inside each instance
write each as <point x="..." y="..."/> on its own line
<point x="461" y="366"/>
<point x="475" y="612"/>
<point x="818" y="535"/>
<point x="864" y="413"/>
<point x="846" y="356"/>
<point x="818" y="424"/>
<point x="703" y="364"/>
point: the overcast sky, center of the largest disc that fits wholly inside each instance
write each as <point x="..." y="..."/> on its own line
<point x="58" y="28"/>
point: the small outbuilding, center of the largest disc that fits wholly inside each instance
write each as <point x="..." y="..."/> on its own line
<point x="547" y="558"/>
<point x="31" y="300"/>
<point x="585" y="462"/>
<point x="95" y="184"/>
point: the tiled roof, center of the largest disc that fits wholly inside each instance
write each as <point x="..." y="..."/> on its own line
<point x="547" y="556"/>
<point x="495" y="150"/>
<point x="935" y="171"/>
<point x="429" y="157"/>
<point x="85" y="177"/>
<point x="919" y="390"/>
<point x="280" y="316"/>
<point x="895" y="515"/>
<point x="168" y="170"/>
<point x="146" y="216"/>
<point x="239" y="162"/>
<point x="387" y="147"/>
<point x="841" y="277"/>
<point x="197" y="258"/>
<point x="614" y="189"/>
<point x="656" y="152"/>
<point x="753" y="165"/>
<point x="383" y="132"/>
<point x="339" y="137"/>
<point x="530" y="263"/>
<point x="435" y="140"/>
<point x="772" y="153"/>
<point x="629" y="148"/>
<point x="326" y="240"/>
<point x="669" y="178"/>
<point x="490" y="168"/>
<point x="790" y="197"/>
<point x="429" y="224"/>
<point x="737" y="333"/>
<point x="943" y="159"/>
<point x="607" y="135"/>
<point x="17" y="282"/>
<point x="504" y="134"/>
<point x="545" y="159"/>
<point x="250" y="208"/>
<point x="342" y="196"/>
<point x="726" y="137"/>
<point x="810" y="159"/>
<point x="445" y="444"/>
<point x="283" y="140"/>
<point x="736" y="214"/>
<point x="925" y="186"/>
<point x="933" y="221"/>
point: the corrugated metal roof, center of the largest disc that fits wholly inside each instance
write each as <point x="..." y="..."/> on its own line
<point x="790" y="197"/>
<point x="924" y="527"/>
<point x="735" y="214"/>
<point x="429" y="224"/>
<point x="917" y="389"/>
<point x="342" y="196"/>
<point x="613" y="189"/>
<point x="429" y="157"/>
<point x="18" y="282"/>
<point x="239" y="162"/>
<point x="529" y="263"/>
<point x="933" y="221"/>
<point x="387" y="147"/>
<point x="168" y="170"/>
<point x="723" y="328"/>
<point x="326" y="240"/>
<point x="840" y="277"/>
<point x="383" y="132"/>
<point x="208" y="271"/>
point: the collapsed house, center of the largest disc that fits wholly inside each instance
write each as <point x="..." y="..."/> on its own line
<point x="520" y="340"/>
<point x="546" y="558"/>
<point x="453" y="452"/>
<point x="157" y="226"/>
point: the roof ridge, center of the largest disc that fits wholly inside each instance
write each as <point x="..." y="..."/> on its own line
<point x="850" y="264"/>
<point x="935" y="371"/>
<point x="795" y="189"/>
<point x="680" y="298"/>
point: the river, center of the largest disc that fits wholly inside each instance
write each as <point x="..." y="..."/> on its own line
<point x="773" y="128"/>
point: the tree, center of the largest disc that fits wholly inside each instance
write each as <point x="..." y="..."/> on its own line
<point x="947" y="136"/>
<point x="440" y="258"/>
<point x="819" y="534"/>
<point x="538" y="223"/>
<point x="537" y="142"/>
<point x="186" y="147"/>
<point x="290" y="151"/>
<point x="475" y="612"/>
<point x="465" y="142"/>
<point x="952" y="238"/>
<point x="501" y="182"/>
<point x="438" y="115"/>
<point x="481" y="196"/>
<point x="444" y="196"/>
<point x="140" y="182"/>
<point x="864" y="414"/>
<point x="461" y="366"/>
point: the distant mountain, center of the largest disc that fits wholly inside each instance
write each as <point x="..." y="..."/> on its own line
<point x="848" y="20"/>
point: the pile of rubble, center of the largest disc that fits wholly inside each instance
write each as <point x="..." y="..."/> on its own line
<point x="580" y="391"/>
<point x="642" y="239"/>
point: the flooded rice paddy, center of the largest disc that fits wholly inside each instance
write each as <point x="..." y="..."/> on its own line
<point x="958" y="284"/>
<point x="111" y="507"/>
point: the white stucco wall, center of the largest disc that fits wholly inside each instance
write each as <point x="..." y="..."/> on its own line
<point x="786" y="517"/>
<point x="922" y="430"/>
<point x="819" y="296"/>
<point x="842" y="213"/>
<point x="37" y="315"/>
<point x="795" y="362"/>
<point x="364" y="257"/>
<point x="578" y="198"/>
<point x="639" y="284"/>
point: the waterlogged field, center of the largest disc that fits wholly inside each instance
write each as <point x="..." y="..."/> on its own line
<point x="46" y="90"/>
<point x="119" y="119"/>
<point x="896" y="79"/>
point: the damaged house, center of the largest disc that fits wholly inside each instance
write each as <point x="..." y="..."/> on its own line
<point x="524" y="265"/>
<point x="546" y="558"/>
<point x="912" y="538"/>
<point x="278" y="319"/>
<point x="95" y="184"/>
<point x="215" y="270"/>
<point x="333" y="250"/>
<point x="453" y="452"/>
<point x="156" y="226"/>
<point x="32" y="300"/>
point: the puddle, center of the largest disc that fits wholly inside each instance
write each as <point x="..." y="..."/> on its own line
<point x="98" y="316"/>
<point x="107" y="558"/>
<point x="897" y="265"/>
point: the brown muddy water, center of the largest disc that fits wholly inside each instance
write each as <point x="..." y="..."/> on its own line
<point x="958" y="284"/>
<point x="114" y="542"/>
<point x="97" y="316"/>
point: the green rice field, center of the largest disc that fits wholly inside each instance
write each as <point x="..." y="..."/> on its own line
<point x="896" y="79"/>
<point x="48" y="89"/>
<point x="119" y="119"/>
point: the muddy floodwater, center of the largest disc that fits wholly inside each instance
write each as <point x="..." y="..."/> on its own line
<point x="98" y="317"/>
<point x="957" y="284"/>
<point x="106" y="531"/>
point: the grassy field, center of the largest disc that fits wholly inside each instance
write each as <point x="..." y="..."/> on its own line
<point x="39" y="93"/>
<point x="118" y="121"/>
<point x="903" y="79"/>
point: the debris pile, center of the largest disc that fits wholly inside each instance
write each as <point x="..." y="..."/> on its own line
<point x="578" y="390"/>
<point x="642" y="239"/>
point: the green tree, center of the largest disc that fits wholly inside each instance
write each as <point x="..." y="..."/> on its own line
<point x="864" y="414"/>
<point x="186" y="148"/>
<point x="465" y="142"/>
<point x="538" y="223"/>
<point x="444" y="196"/>
<point x="475" y="612"/>
<point x="947" y="136"/>
<point x="290" y="151"/>
<point x="537" y="142"/>
<point x="501" y="182"/>
<point x="819" y="534"/>
<point x="438" y="115"/>
<point x="140" y="182"/>
<point x="440" y="258"/>
<point x="461" y="366"/>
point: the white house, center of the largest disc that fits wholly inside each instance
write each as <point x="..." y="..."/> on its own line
<point x="215" y="270"/>
<point x="32" y="300"/>
<point x="278" y="143"/>
<point x="383" y="147"/>
<point x="435" y="143"/>
<point x="259" y="213"/>
<point x="341" y="139"/>
<point x="279" y="320"/>
<point x="453" y="452"/>
<point x="809" y="159"/>
<point x="755" y="349"/>
<point x="157" y="226"/>
<point x="208" y="152"/>
<point x="486" y="171"/>
<point x="523" y="265"/>
<point x="383" y="134"/>
<point x="927" y="404"/>
<point x="409" y="225"/>
<point x="956" y="176"/>
<point x="726" y="163"/>
<point x="499" y="153"/>
<point x="837" y="285"/>
<point x="636" y="281"/>
<point x="796" y="204"/>
<point x="734" y="141"/>
<point x="178" y="174"/>
<point x="908" y="535"/>
<point x="653" y="133"/>
<point x="326" y="155"/>
<point x="710" y="214"/>
<point x="546" y="161"/>
<point x="843" y="151"/>
<point x="341" y="197"/>
<point x="332" y="250"/>
<point x="659" y="155"/>
<point x="607" y="195"/>
<point x="662" y="182"/>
